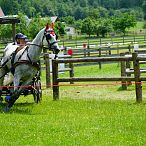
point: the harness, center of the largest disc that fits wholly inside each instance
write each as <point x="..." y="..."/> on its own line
<point x="34" y="64"/>
<point x="29" y="61"/>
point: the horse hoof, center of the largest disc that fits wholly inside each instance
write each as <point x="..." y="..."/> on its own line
<point x="7" y="98"/>
<point x="6" y="109"/>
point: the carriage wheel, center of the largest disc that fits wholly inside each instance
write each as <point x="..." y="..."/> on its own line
<point x="37" y="91"/>
<point x="1" y="99"/>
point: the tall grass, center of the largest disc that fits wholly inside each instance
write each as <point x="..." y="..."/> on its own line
<point x="85" y="115"/>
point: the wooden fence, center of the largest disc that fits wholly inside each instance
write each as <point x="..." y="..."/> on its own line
<point x="77" y="41"/>
<point x="101" y="50"/>
<point x="127" y="68"/>
<point x="47" y="61"/>
<point x="134" y="58"/>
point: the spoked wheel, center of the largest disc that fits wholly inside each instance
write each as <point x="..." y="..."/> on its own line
<point x="37" y="91"/>
<point x="1" y="99"/>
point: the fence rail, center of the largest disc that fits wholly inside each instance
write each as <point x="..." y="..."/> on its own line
<point x="77" y="41"/>
<point x="134" y="58"/>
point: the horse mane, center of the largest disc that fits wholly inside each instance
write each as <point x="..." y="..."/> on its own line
<point x="39" y="36"/>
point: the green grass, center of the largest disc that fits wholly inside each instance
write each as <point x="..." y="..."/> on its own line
<point x="133" y="34"/>
<point x="74" y="122"/>
<point x="101" y="115"/>
<point x="140" y="25"/>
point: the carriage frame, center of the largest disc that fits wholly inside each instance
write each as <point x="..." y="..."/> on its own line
<point x="35" y="87"/>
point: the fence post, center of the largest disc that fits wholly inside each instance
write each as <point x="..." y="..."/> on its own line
<point x="118" y="48"/>
<point x="84" y="47"/>
<point x="123" y="73"/>
<point x="54" y="79"/>
<point x="100" y="41"/>
<point x="128" y="65"/>
<point x="129" y="48"/>
<point x="47" y="63"/>
<point x="99" y="49"/>
<point x="14" y="31"/>
<point x="88" y="50"/>
<point x="123" y="39"/>
<point x="109" y="50"/>
<point x="138" y="85"/>
<point x="84" y="52"/>
<point x="71" y="72"/>
<point x="134" y="35"/>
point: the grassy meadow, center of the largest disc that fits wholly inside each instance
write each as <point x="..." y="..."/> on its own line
<point x="86" y="115"/>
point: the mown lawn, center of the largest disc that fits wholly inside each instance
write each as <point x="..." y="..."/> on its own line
<point x="102" y="115"/>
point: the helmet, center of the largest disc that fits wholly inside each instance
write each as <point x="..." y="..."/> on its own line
<point x="19" y="36"/>
<point x="25" y="37"/>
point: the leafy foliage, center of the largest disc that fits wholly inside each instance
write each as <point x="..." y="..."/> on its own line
<point x="124" y="21"/>
<point x="87" y="26"/>
<point x="79" y="9"/>
<point x="87" y="16"/>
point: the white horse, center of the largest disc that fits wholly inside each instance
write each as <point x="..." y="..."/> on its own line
<point x="25" y="61"/>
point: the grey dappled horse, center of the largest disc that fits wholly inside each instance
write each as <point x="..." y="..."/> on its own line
<point x="25" y="62"/>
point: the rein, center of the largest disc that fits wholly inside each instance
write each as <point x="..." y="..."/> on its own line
<point x="37" y="45"/>
<point x="30" y="62"/>
<point x="50" y="44"/>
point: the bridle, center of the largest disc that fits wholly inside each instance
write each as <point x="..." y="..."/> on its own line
<point x="47" y="36"/>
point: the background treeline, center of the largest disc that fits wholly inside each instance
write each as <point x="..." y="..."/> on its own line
<point x="91" y="17"/>
<point x="79" y="9"/>
<point x="30" y="27"/>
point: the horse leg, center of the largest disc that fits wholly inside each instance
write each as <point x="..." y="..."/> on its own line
<point x="3" y="72"/>
<point x="17" y="92"/>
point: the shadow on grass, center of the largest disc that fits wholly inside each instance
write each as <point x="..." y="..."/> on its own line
<point x="121" y="89"/>
<point x="19" y="108"/>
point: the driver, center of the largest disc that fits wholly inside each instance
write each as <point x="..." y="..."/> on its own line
<point x="21" y="39"/>
<point x="17" y="38"/>
<point x="12" y="48"/>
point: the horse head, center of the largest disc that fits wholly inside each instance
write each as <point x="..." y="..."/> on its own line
<point x="51" y="39"/>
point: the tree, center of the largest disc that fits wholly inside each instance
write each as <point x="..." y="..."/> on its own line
<point x="5" y="31"/>
<point x="78" y="9"/>
<point x="83" y="3"/>
<point x="94" y="13"/>
<point x="104" y="27"/>
<point x="96" y="27"/>
<point x="144" y="8"/>
<point x="10" y="7"/>
<point x="144" y="25"/>
<point x="78" y="26"/>
<point x="103" y="12"/>
<point x="87" y="26"/>
<point x="59" y="28"/>
<point x="36" y="24"/>
<point x="123" y="22"/>
<point x="68" y="19"/>
<point x="22" y="26"/>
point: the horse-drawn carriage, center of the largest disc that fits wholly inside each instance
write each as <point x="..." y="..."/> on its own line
<point x="26" y="69"/>
<point x="33" y="88"/>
